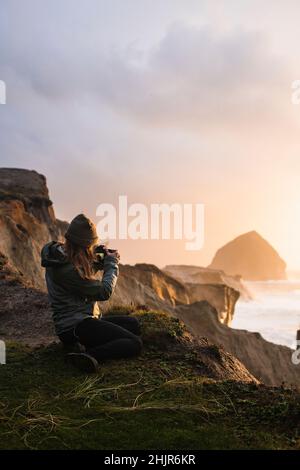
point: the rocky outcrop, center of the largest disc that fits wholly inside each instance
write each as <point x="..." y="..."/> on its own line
<point x="220" y="296"/>
<point x="251" y="257"/>
<point x="221" y="290"/>
<point x="165" y="288"/>
<point x="145" y="284"/>
<point x="188" y="274"/>
<point x="27" y="221"/>
<point x="268" y="362"/>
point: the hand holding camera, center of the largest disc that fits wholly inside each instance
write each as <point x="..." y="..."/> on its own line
<point x="102" y="251"/>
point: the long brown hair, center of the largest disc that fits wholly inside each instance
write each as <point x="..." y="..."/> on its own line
<point x="82" y="258"/>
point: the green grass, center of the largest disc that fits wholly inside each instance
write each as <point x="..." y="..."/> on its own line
<point x="157" y="401"/>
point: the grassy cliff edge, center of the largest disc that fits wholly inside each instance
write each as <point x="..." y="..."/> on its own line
<point x="176" y="395"/>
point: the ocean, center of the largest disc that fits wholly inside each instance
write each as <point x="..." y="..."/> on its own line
<point x="274" y="312"/>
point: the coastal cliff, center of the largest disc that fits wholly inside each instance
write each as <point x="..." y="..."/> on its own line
<point x="268" y="362"/>
<point x="27" y="221"/>
<point x="203" y="298"/>
<point x="147" y="284"/>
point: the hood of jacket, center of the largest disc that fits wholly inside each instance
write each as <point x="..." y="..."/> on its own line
<point x="53" y="255"/>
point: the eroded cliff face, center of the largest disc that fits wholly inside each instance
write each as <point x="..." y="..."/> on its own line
<point x="199" y="275"/>
<point x="268" y="362"/>
<point x="145" y="284"/>
<point x="27" y="221"/>
<point x="220" y="296"/>
<point x="165" y="288"/>
<point x="221" y="290"/>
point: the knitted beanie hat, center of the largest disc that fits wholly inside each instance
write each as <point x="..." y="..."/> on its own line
<point x="82" y="231"/>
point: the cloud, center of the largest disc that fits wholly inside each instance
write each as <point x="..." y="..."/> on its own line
<point x="102" y="114"/>
<point x="192" y="77"/>
<point x="77" y="96"/>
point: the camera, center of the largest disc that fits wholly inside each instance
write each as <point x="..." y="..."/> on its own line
<point x="101" y="251"/>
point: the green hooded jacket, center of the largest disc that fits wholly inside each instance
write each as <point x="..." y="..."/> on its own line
<point x="73" y="298"/>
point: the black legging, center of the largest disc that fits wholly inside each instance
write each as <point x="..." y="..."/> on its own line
<point x="113" y="337"/>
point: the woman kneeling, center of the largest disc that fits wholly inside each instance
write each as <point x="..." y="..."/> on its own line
<point x="74" y="291"/>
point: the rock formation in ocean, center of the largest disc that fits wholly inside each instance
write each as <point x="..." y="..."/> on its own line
<point x="251" y="257"/>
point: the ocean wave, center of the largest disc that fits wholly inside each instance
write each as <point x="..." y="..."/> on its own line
<point x="276" y="316"/>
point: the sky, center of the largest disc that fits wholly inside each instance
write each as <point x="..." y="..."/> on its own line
<point x="165" y="101"/>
